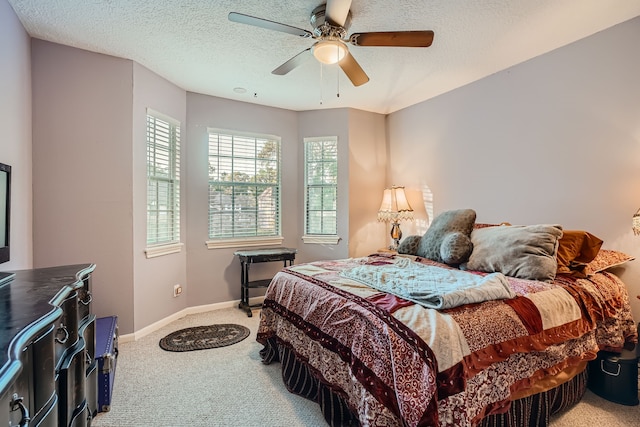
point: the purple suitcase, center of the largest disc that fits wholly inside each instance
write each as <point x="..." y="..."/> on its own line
<point x="107" y="356"/>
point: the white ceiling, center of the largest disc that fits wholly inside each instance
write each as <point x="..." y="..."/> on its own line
<point x="192" y="43"/>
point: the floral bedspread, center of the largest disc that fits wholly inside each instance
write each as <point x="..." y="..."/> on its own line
<point x="398" y="363"/>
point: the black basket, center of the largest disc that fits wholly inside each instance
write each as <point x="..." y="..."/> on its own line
<point x="614" y="376"/>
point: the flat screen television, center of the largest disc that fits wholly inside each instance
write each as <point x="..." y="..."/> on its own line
<point x="5" y="208"/>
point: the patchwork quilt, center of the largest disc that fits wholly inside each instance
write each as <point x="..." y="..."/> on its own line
<point x="398" y="362"/>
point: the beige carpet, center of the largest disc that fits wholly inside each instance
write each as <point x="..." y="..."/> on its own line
<point x="229" y="386"/>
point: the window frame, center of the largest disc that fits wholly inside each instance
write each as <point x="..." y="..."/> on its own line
<point x="252" y="240"/>
<point x="154" y="248"/>
<point x="312" y="237"/>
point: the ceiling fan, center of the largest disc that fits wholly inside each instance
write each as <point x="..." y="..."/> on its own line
<point x="330" y="23"/>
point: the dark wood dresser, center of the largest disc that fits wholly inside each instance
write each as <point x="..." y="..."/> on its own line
<point x="48" y="374"/>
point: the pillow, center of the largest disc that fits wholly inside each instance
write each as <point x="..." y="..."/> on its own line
<point x="606" y="259"/>
<point x="455" y="221"/>
<point x="409" y="245"/>
<point x="526" y="252"/>
<point x="455" y="248"/>
<point x="576" y="248"/>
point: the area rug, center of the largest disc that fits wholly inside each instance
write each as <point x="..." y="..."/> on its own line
<point x="204" y="337"/>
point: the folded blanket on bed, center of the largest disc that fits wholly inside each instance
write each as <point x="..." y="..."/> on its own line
<point x="431" y="286"/>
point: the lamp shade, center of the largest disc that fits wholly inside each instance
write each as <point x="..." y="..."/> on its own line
<point x="329" y="51"/>
<point x="395" y="206"/>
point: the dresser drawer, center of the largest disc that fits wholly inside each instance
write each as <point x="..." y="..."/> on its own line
<point x="71" y="383"/>
<point x="92" y="389"/>
<point x="87" y="332"/>
<point x="84" y="299"/>
<point x="43" y="372"/>
<point x="66" y="334"/>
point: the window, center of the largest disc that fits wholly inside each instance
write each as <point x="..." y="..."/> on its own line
<point x="244" y="189"/>
<point x="321" y="189"/>
<point x="163" y="184"/>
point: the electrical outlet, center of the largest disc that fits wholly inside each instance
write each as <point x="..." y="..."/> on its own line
<point x="177" y="290"/>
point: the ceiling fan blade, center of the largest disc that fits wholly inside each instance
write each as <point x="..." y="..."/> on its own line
<point x="337" y="11"/>
<point x="353" y="70"/>
<point x="393" y="39"/>
<point x="269" y="25"/>
<point x="294" y="62"/>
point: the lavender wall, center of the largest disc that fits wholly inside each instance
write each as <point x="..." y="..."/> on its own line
<point x="90" y="135"/>
<point x="553" y="140"/>
<point x="154" y="277"/>
<point x="83" y="169"/>
<point x="214" y="274"/>
<point x="367" y="159"/>
<point x="332" y="122"/>
<point x="15" y="122"/>
<point x="361" y="177"/>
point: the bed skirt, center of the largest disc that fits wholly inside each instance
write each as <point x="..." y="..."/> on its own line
<point x="531" y="411"/>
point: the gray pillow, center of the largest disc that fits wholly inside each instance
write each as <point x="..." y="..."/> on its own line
<point x="455" y="221"/>
<point x="455" y="248"/>
<point x="409" y="245"/>
<point x="526" y="252"/>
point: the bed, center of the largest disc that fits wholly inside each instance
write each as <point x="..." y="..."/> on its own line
<point x="362" y="337"/>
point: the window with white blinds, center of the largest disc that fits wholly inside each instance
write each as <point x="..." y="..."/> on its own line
<point x="321" y="186"/>
<point x="163" y="180"/>
<point x="244" y="186"/>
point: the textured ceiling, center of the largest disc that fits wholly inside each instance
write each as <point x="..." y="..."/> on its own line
<point x="193" y="44"/>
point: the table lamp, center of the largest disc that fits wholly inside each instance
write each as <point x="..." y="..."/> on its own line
<point x="395" y="208"/>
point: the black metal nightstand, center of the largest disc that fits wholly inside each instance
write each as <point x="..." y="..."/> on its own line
<point x="251" y="256"/>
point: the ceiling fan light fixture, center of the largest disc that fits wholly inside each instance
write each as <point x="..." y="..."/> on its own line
<point x="329" y="51"/>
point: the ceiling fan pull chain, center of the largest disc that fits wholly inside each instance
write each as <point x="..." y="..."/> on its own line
<point x="338" y="74"/>
<point x="321" y="68"/>
<point x="338" y="80"/>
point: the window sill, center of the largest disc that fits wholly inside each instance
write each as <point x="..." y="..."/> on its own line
<point x="238" y="243"/>
<point x="320" y="240"/>
<point x="160" y="250"/>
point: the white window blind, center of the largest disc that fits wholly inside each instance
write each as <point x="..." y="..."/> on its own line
<point x="321" y="185"/>
<point x="163" y="179"/>
<point x="244" y="185"/>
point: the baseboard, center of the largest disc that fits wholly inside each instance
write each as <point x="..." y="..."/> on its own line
<point x="179" y="315"/>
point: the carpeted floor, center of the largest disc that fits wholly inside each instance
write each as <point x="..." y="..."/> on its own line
<point x="229" y="386"/>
